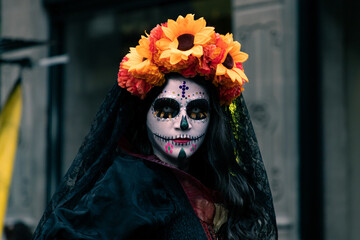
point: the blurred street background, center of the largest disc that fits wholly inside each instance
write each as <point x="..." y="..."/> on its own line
<point x="303" y="96"/>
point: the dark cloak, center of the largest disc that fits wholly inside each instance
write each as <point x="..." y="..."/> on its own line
<point x="98" y="157"/>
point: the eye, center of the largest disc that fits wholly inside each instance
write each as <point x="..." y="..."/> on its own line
<point x="166" y="107"/>
<point x="198" y="109"/>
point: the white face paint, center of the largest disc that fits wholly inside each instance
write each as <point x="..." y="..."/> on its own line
<point x="177" y="121"/>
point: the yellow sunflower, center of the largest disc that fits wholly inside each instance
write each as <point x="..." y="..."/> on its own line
<point x="229" y="66"/>
<point x="140" y="66"/>
<point x="184" y="37"/>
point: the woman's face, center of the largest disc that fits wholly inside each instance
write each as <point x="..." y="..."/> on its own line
<point x="177" y="120"/>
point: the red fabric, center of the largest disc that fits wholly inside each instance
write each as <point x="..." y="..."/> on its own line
<point x="200" y="200"/>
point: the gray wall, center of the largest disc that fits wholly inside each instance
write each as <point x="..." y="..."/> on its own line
<point x="267" y="31"/>
<point x="27" y="20"/>
<point x="353" y="116"/>
<point x="341" y="118"/>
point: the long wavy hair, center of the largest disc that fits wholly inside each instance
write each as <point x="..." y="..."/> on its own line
<point x="214" y="163"/>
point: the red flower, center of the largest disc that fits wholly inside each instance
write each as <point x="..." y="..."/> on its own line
<point x="240" y="66"/>
<point x="213" y="55"/>
<point x="229" y="94"/>
<point x="155" y="34"/>
<point x="189" y="72"/>
<point x="135" y="86"/>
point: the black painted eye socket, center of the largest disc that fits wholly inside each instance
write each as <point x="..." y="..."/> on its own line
<point x="198" y="109"/>
<point x="166" y="108"/>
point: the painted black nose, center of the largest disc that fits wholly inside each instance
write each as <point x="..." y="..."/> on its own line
<point x="184" y="123"/>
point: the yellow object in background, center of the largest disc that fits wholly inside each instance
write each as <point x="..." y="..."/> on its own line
<point x="9" y="129"/>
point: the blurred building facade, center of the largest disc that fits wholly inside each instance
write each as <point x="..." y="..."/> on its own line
<point x="302" y="95"/>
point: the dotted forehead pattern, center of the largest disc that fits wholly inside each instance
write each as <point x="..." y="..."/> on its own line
<point x="183" y="87"/>
<point x="183" y="94"/>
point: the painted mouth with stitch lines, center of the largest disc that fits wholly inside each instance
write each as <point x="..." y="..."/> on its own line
<point x="181" y="139"/>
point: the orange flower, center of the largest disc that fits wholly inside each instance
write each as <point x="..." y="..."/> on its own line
<point x="140" y="66"/>
<point x="182" y="38"/>
<point x="228" y="66"/>
<point x="188" y="47"/>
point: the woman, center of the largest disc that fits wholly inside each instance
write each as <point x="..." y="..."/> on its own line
<point x="172" y="153"/>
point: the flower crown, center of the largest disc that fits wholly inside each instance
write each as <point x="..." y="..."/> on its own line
<point x="188" y="47"/>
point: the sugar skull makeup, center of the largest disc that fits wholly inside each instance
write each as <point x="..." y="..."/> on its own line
<point x="177" y="120"/>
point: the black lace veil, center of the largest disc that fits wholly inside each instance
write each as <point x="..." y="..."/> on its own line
<point x="95" y="155"/>
<point x="248" y="155"/>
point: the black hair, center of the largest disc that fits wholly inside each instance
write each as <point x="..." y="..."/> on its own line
<point x="214" y="164"/>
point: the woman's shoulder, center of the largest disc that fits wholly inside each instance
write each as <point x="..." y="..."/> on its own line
<point x="126" y="198"/>
<point x="134" y="177"/>
<point x="138" y="169"/>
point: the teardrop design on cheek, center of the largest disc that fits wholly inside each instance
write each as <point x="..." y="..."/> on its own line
<point x="184" y="125"/>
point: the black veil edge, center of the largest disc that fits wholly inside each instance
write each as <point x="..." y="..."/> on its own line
<point x="248" y="155"/>
<point x="94" y="155"/>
